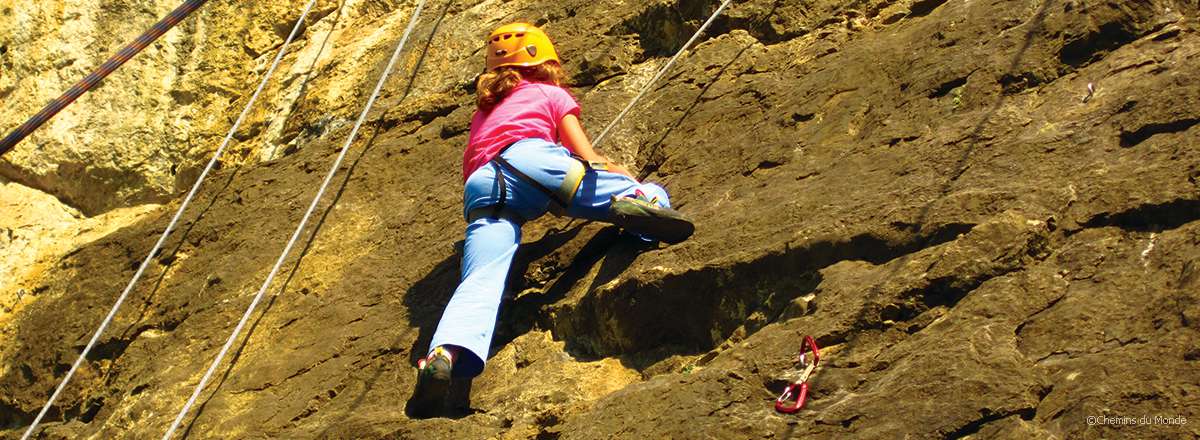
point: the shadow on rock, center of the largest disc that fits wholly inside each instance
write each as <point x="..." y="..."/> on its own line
<point x="428" y="297"/>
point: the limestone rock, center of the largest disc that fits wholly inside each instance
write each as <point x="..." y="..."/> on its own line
<point x="143" y="135"/>
<point x="920" y="185"/>
<point x="36" y="230"/>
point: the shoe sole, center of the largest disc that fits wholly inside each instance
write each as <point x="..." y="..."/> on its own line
<point x="430" y="395"/>
<point x="664" y="224"/>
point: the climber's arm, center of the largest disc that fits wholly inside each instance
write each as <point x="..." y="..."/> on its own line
<point x="570" y="131"/>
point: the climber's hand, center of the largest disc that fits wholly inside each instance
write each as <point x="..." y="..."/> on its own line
<point x="614" y="168"/>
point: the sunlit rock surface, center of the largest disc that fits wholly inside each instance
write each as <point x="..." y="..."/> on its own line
<point x="980" y="245"/>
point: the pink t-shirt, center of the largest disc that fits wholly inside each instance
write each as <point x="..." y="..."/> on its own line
<point x="531" y="110"/>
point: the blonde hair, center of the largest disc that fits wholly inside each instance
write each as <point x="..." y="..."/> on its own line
<point x="492" y="87"/>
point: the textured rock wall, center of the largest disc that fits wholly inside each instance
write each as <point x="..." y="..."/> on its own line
<point x="144" y="135"/>
<point x="36" y="230"/>
<point x="920" y="185"/>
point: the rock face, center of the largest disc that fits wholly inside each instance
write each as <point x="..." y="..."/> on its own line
<point x="146" y="132"/>
<point x="36" y="230"/>
<point x="920" y="185"/>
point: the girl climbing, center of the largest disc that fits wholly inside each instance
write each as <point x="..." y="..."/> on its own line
<point x="527" y="154"/>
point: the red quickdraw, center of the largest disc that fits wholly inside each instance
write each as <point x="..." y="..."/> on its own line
<point x="781" y="404"/>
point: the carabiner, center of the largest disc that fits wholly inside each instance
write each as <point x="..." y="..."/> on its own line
<point x="781" y="404"/>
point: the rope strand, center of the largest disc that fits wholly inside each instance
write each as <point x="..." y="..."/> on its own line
<point x="312" y="207"/>
<point x="170" y="227"/>
<point x="89" y="82"/>
<point x="661" y="72"/>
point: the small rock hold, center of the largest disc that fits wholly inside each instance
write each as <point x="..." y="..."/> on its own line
<point x="708" y="357"/>
<point x="894" y="18"/>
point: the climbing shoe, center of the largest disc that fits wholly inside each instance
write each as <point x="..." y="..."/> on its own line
<point x="433" y="384"/>
<point x="645" y="218"/>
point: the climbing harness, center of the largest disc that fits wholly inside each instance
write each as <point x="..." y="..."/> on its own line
<point x="561" y="197"/>
<point x="574" y="178"/>
<point x="498" y="210"/>
<point x="178" y="213"/>
<point x="506" y="53"/>
<point x="312" y="207"/>
<point x="661" y="72"/>
<point x="781" y="404"/>
<point x="92" y="80"/>
<point x="499" y="206"/>
<point x="565" y="193"/>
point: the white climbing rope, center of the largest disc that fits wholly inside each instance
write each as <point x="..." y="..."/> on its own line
<point x="170" y="227"/>
<point x="661" y="72"/>
<point x="312" y="207"/>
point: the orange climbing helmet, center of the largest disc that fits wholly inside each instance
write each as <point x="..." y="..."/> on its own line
<point x="519" y="44"/>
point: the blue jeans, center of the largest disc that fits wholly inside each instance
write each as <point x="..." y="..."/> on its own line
<point x="470" y="316"/>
